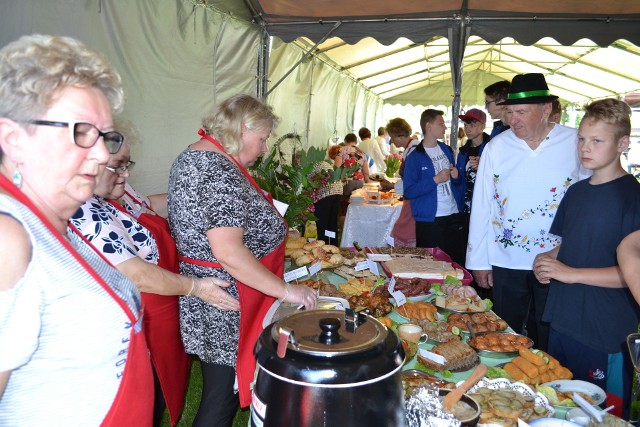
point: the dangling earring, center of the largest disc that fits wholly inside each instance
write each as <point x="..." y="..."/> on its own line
<point x="17" y="178"/>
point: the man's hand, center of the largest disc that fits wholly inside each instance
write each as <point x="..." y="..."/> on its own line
<point x="443" y="176"/>
<point x="484" y="278"/>
<point x="546" y="268"/>
<point x="454" y="171"/>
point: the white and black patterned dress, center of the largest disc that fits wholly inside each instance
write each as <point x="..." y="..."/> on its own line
<point x="206" y="191"/>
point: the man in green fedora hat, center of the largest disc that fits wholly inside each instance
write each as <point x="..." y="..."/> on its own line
<point x="523" y="174"/>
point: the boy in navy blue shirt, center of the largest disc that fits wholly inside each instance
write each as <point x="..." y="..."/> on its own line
<point x="590" y="309"/>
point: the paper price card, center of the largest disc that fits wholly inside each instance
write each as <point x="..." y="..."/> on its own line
<point x="392" y="285"/>
<point x="379" y="257"/>
<point x="315" y="268"/>
<point x="373" y="267"/>
<point x="295" y="274"/>
<point x="399" y="297"/>
<point x="362" y="265"/>
<point x="280" y="206"/>
<point x="330" y="234"/>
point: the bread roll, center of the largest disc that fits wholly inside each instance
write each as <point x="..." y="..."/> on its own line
<point x="304" y="259"/>
<point x="515" y="372"/>
<point x="315" y="244"/>
<point x="297" y="253"/>
<point x="295" y="243"/>
<point x="331" y="249"/>
<point x="526" y="366"/>
<point x="536" y="359"/>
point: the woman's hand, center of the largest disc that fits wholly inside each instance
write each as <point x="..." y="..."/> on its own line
<point x="300" y="294"/>
<point x="209" y="289"/>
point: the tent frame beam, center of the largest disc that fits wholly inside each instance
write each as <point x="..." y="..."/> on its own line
<point x="306" y="54"/>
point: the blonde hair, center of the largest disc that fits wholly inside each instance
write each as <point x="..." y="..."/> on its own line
<point x="226" y="120"/>
<point x="127" y="129"/>
<point x="34" y="70"/>
<point x="610" y="111"/>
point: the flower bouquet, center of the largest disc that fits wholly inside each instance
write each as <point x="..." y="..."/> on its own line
<point x="393" y="162"/>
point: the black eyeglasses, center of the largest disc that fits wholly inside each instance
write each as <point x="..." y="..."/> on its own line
<point x="120" y="170"/>
<point x="487" y="103"/>
<point x="86" y="135"/>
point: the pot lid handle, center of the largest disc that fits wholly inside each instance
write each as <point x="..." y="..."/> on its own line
<point x="354" y="318"/>
<point x="286" y="334"/>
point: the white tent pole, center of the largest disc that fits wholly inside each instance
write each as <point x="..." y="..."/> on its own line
<point x="263" y="65"/>
<point x="458" y="37"/>
<point x="309" y="52"/>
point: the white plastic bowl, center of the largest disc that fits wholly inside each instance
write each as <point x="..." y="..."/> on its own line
<point x="577" y="416"/>
<point x="552" y="422"/>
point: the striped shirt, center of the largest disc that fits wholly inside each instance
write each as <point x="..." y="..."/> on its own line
<point x="64" y="339"/>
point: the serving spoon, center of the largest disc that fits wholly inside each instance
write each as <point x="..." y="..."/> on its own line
<point x="456" y="394"/>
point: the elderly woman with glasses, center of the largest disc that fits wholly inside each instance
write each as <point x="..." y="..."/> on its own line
<point x="139" y="244"/>
<point x="71" y="323"/>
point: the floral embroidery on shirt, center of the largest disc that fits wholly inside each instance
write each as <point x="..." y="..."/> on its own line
<point x="509" y="226"/>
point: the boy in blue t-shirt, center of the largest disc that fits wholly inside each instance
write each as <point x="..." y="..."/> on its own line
<point x="590" y="309"/>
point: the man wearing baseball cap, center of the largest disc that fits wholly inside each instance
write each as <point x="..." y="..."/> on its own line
<point x="475" y="122"/>
<point x="524" y="173"/>
<point x="468" y="159"/>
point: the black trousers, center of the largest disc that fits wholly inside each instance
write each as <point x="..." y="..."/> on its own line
<point x="327" y="210"/>
<point x="445" y="232"/>
<point x="519" y="299"/>
<point x="218" y="404"/>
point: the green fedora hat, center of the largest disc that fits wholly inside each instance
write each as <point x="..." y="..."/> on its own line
<point x="528" y="89"/>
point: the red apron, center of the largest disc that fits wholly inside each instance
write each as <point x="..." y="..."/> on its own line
<point x="253" y="303"/>
<point x="133" y="403"/>
<point x="162" y="320"/>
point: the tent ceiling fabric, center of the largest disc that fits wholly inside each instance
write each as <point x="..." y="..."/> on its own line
<point x="420" y="74"/>
<point x="420" y="20"/>
<point x="586" y="48"/>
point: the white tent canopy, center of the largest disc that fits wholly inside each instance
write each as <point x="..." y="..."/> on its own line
<point x="180" y="57"/>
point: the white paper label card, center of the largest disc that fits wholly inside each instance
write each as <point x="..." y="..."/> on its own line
<point x="373" y="267"/>
<point x="330" y="234"/>
<point x="379" y="257"/>
<point x="280" y="206"/>
<point x="441" y="360"/>
<point x="315" y="268"/>
<point x="392" y="285"/>
<point x="362" y="265"/>
<point x="390" y="241"/>
<point x="399" y="297"/>
<point x="295" y="274"/>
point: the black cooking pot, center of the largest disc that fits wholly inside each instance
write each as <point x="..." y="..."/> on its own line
<point x="328" y="368"/>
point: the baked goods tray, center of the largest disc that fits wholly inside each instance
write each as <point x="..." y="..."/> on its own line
<point x="437" y="254"/>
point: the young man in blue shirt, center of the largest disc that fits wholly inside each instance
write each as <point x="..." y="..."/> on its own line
<point x="432" y="185"/>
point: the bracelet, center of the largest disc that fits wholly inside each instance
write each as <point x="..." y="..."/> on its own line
<point x="193" y="285"/>
<point x="287" y="287"/>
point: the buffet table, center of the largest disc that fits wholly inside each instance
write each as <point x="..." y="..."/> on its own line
<point x="492" y="358"/>
<point x="369" y="224"/>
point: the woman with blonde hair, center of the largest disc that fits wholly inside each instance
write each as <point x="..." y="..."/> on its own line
<point x="71" y="323"/>
<point x="226" y="226"/>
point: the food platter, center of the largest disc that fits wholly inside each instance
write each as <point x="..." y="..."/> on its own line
<point x="596" y="394"/>
<point x="504" y="384"/>
<point x="443" y="310"/>
<point x="500" y="336"/>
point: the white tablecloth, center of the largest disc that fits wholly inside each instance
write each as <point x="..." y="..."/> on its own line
<point x="369" y="225"/>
